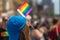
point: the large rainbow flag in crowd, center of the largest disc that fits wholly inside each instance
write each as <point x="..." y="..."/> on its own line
<point x="24" y="9"/>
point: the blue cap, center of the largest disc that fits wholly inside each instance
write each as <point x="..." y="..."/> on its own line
<point x="14" y="26"/>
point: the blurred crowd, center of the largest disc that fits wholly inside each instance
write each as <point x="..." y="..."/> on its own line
<point x="41" y="23"/>
<point x="40" y="29"/>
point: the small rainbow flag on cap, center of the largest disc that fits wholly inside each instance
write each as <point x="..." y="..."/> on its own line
<point x="24" y="9"/>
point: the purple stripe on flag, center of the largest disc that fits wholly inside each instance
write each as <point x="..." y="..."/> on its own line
<point x="29" y="11"/>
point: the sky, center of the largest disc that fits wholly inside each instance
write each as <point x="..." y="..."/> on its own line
<point x="56" y="6"/>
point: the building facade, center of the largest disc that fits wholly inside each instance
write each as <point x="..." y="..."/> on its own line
<point x="48" y="7"/>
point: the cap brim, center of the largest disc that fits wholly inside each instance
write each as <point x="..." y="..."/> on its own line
<point x="14" y="37"/>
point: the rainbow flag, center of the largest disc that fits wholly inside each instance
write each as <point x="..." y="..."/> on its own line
<point x="3" y="34"/>
<point x="24" y="9"/>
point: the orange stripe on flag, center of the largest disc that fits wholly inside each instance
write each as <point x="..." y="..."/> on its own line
<point x="23" y="6"/>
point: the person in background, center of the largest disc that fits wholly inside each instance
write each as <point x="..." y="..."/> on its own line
<point x="37" y="35"/>
<point x="55" y="25"/>
<point x="30" y="26"/>
<point x="0" y="25"/>
<point x="0" y="22"/>
<point x="4" y="33"/>
<point x="59" y="22"/>
<point x="17" y="28"/>
<point x="44" y="29"/>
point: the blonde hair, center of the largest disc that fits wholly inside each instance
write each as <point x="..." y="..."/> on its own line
<point x="26" y="33"/>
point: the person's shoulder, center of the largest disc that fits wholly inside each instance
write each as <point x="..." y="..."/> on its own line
<point x="36" y="31"/>
<point x="53" y="27"/>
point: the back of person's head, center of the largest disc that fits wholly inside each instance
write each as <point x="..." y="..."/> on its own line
<point x="14" y="26"/>
<point x="37" y="25"/>
<point x="55" y="21"/>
